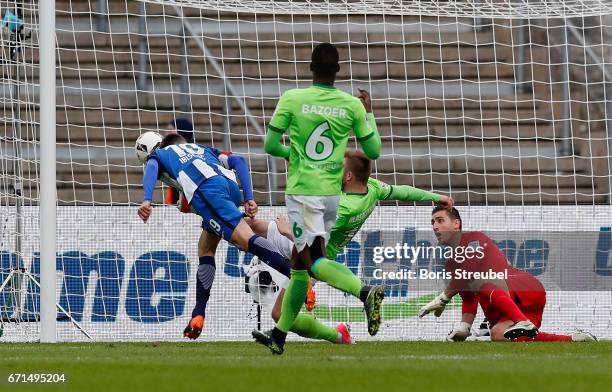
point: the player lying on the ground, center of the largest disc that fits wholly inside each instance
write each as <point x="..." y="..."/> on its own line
<point x="207" y="177"/>
<point x="513" y="306"/>
<point x="360" y="194"/>
<point x="318" y="120"/>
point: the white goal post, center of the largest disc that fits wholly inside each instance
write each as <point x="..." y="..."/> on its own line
<point x="506" y="105"/>
<point x="48" y="197"/>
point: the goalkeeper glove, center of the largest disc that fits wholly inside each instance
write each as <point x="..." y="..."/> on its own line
<point x="460" y="332"/>
<point x="437" y="306"/>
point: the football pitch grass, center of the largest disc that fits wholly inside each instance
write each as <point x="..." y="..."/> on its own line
<point x="365" y="366"/>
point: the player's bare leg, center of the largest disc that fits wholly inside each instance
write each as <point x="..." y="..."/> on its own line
<point x="207" y="247"/>
<point x="276" y="309"/>
<point x="241" y="235"/>
<point x="258" y="226"/>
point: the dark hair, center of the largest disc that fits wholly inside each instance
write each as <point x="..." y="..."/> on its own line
<point x="172" y="138"/>
<point x="324" y="60"/>
<point x="183" y="127"/>
<point x="453" y="213"/>
<point x="358" y="164"/>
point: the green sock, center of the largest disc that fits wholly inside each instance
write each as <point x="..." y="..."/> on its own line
<point x="295" y="295"/>
<point x="307" y="326"/>
<point x="337" y="275"/>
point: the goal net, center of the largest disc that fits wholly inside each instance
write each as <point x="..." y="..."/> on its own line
<point x="504" y="105"/>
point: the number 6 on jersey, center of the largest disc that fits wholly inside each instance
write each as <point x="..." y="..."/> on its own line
<point x="319" y="146"/>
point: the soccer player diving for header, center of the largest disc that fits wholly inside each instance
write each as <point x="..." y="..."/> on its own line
<point x="318" y="120"/>
<point x="512" y="301"/>
<point x="208" y="180"/>
<point x="360" y="195"/>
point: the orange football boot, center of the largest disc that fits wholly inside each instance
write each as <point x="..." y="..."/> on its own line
<point x="311" y="297"/>
<point x="194" y="328"/>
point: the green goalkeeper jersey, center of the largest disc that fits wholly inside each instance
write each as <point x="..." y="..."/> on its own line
<point x="355" y="208"/>
<point x="318" y="120"/>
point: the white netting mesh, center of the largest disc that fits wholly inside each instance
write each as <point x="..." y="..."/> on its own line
<point x="445" y="8"/>
<point x="500" y="104"/>
<point x="18" y="167"/>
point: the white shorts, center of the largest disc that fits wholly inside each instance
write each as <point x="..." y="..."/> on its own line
<point x="311" y="217"/>
<point x="282" y="243"/>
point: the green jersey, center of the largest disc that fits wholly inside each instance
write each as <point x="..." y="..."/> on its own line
<point x="355" y="208"/>
<point x="318" y="120"/>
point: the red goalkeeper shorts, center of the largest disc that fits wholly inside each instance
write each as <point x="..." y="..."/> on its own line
<point x="531" y="303"/>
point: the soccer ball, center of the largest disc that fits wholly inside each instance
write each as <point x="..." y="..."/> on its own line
<point x="146" y="143"/>
<point x="260" y="284"/>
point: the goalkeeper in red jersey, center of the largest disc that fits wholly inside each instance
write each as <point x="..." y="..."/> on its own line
<point x="512" y="300"/>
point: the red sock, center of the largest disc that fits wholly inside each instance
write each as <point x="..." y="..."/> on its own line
<point x="502" y="301"/>
<point x="544" y="337"/>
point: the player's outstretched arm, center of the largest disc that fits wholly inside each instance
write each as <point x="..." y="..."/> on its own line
<point x="365" y="127"/>
<point x="148" y="184"/>
<point x="409" y="193"/>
